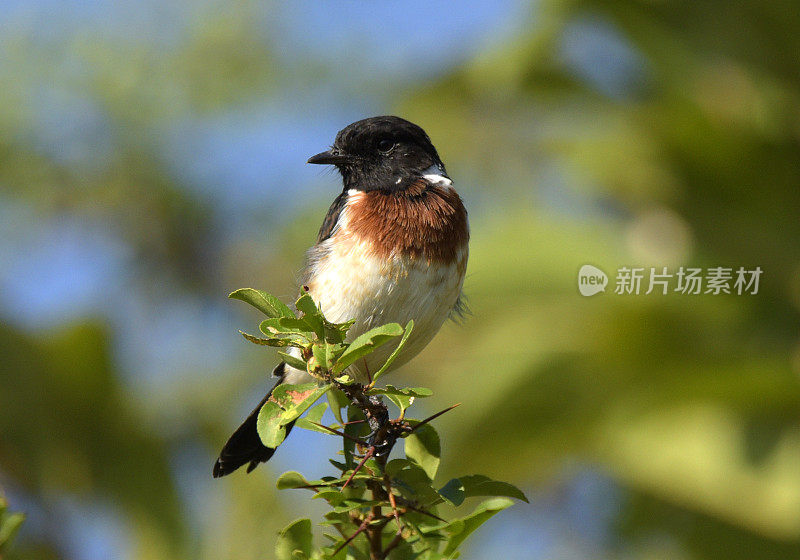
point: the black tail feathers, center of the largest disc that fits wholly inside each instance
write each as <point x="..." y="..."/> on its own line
<point x="244" y="446"/>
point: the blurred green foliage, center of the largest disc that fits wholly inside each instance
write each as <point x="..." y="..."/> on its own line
<point x="691" y="405"/>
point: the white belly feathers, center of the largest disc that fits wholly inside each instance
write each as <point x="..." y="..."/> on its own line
<point x="349" y="281"/>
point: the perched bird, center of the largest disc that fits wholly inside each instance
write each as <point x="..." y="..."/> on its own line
<point x="393" y="247"/>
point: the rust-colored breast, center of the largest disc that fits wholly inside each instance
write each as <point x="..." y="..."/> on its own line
<point x="423" y="221"/>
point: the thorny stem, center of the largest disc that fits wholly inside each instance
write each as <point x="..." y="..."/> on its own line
<point x="337" y="432"/>
<point x="367" y="455"/>
<point x="434" y="416"/>
<point x="388" y="482"/>
<point x="381" y="442"/>
<point x="361" y="529"/>
<point x="383" y="435"/>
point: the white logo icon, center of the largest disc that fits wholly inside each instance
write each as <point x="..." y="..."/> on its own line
<point x="591" y="280"/>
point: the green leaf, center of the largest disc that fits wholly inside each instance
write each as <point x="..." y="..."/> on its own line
<point x="314" y="415"/>
<point x="415" y="484"/>
<point x="264" y="302"/>
<point x="338" y="401"/>
<point x="293" y="361"/>
<point x="453" y="492"/>
<point x="333" y="497"/>
<point x="460" y="529"/>
<point x="400" y="401"/>
<point x="480" y="485"/>
<point x="9" y="526"/>
<point x="367" y="343"/>
<point x="423" y="447"/>
<point x="295" y="541"/>
<point x="325" y="353"/>
<point x="286" y="326"/>
<point x="343" y="554"/>
<point x="336" y="518"/>
<point x="306" y="304"/>
<point x="402" y="398"/>
<point x="311" y="314"/>
<point x="337" y="332"/>
<point x="291" y="479"/>
<point x="363" y="474"/>
<point x="374" y="467"/>
<point x="296" y="399"/>
<point x="327" y="552"/>
<point x="421" y="392"/>
<point x="344" y="380"/>
<point x="396" y="465"/>
<point x="285" y="393"/>
<point x="349" y="505"/>
<point x="276" y="342"/>
<point x="270" y="429"/>
<point x="395" y="352"/>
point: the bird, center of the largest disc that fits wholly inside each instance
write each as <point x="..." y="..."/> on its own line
<point x="393" y="247"/>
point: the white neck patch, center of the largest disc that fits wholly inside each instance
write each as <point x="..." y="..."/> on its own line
<point x="435" y="175"/>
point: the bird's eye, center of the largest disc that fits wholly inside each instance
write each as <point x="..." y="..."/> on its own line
<point x="385" y="145"/>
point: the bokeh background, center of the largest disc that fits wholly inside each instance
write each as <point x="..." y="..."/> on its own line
<point x="152" y="159"/>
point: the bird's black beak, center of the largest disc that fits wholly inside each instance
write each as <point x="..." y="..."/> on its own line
<point x="332" y="157"/>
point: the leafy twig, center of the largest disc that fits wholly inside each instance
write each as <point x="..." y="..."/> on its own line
<point x="326" y="355"/>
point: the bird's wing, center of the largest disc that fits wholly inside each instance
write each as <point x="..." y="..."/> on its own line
<point x="332" y="217"/>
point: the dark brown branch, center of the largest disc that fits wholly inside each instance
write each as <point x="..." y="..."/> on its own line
<point x="433" y="417"/>
<point x="367" y="455"/>
<point x="383" y="436"/>
<point x="361" y="529"/>
<point x="337" y="432"/>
